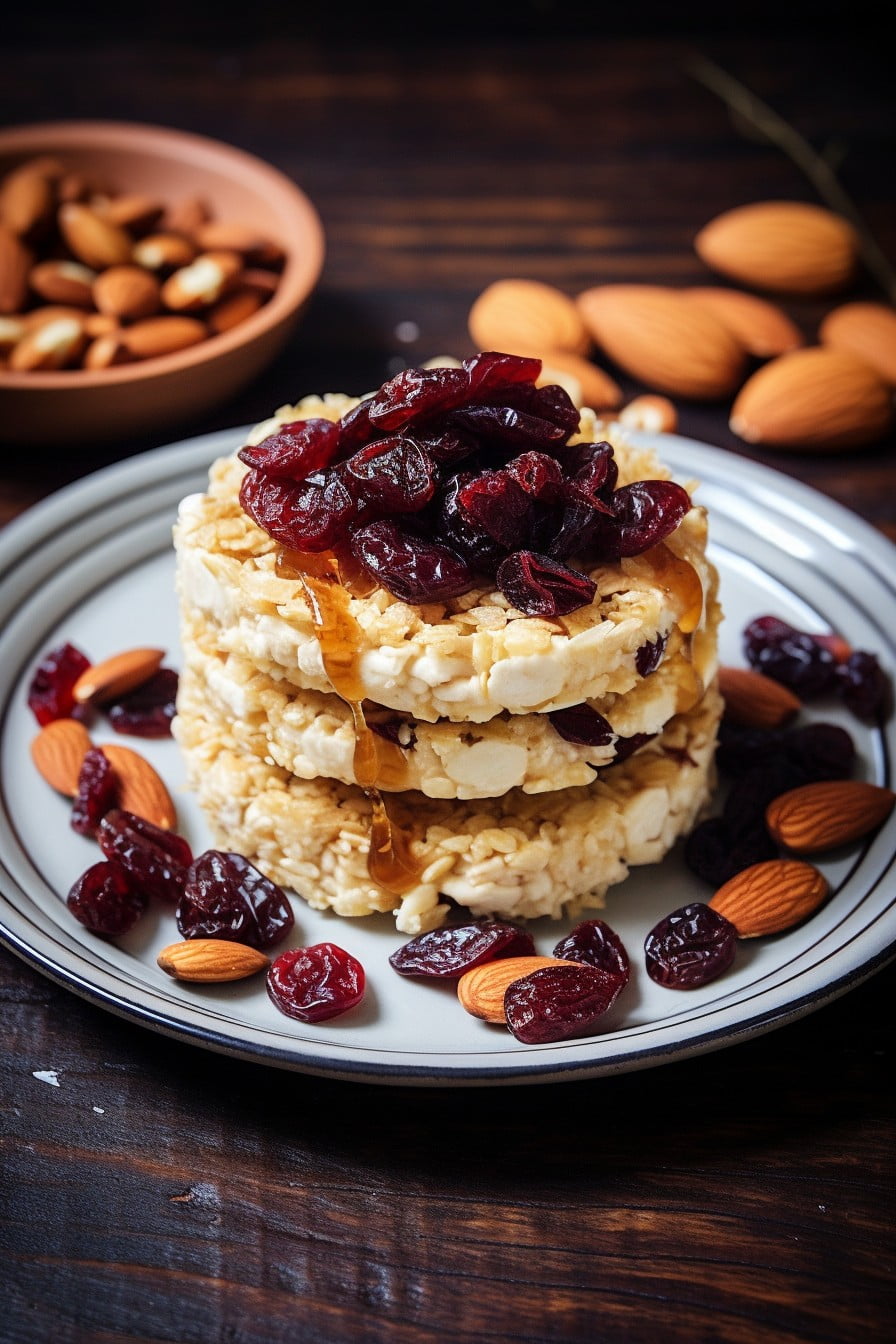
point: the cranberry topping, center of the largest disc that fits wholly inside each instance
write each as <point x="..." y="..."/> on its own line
<point x="295" y="450"/>
<point x="596" y="944"/>
<point x="559" y="1003"/>
<point x="690" y="947"/>
<point x="316" y="983"/>
<point x="583" y="725"/>
<point x="449" y="952"/>
<point x="311" y="516"/>
<point x="418" y="394"/>
<point x="539" y="475"/>
<point x="395" y="475"/>
<point x="506" y="425"/>
<point x="647" y="511"/>
<point x="104" y="900"/>
<point x="494" y="503"/>
<point x="225" y="896"/>
<point x="492" y="371"/>
<point x="97" y="792"/>
<point x="539" y="586"/>
<point x="157" y="860"/>
<point x="148" y="710"/>
<point x="480" y="551"/>
<point x="413" y="569"/>
<point x="50" y="691"/>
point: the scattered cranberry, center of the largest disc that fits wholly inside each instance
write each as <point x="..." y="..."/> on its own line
<point x="750" y="795"/>
<point x="157" y="860"/>
<point x="448" y="952"/>
<point x="649" y="656"/>
<point x="104" y="900"/>
<point x="316" y="983"/>
<point x="596" y="944"/>
<point x="790" y="656"/>
<point x="559" y="1003"/>
<point x="627" y="746"/>
<point x="294" y="450"/>
<point x="820" y="751"/>
<point x="539" y="586"/>
<point x="148" y="710"/>
<point x="690" y="947"/>
<point x="50" y="692"/>
<point x="395" y="730"/>
<point x="97" y="793"/>
<point x="863" y="686"/>
<point x="583" y="725"/>
<point x="225" y="896"/>
<point x="715" y="854"/>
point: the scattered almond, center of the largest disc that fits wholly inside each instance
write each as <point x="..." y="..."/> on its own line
<point x="763" y="329"/>
<point x="94" y="240"/>
<point x="526" y="317"/>
<point x="116" y="675"/>
<point x="787" y="246"/>
<point x="58" y="752"/>
<point x="15" y="265"/>
<point x="867" y="330"/>
<point x="663" y="340"/>
<point x="141" y="789"/>
<point x="127" y="292"/>
<point x="816" y="399"/>
<point x="817" y="817"/>
<point x="770" y="897"/>
<point x="655" y="415"/>
<point x="208" y="960"/>
<point x="163" y="336"/>
<point x="592" y="387"/>
<point x="481" y="991"/>
<point x="65" y="282"/>
<point x="755" y="701"/>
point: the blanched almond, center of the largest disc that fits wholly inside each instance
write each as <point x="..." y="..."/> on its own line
<point x="526" y="317"/>
<point x="788" y="246"/>
<point x="481" y="991"/>
<point x="127" y="292"/>
<point x="763" y="329"/>
<point x="210" y="960"/>
<point x="94" y="240"/>
<point x="58" y="751"/>
<point x="116" y="675"/>
<point x="141" y="789"/>
<point x="867" y="330"/>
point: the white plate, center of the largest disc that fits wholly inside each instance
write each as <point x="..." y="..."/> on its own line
<point x="93" y="564"/>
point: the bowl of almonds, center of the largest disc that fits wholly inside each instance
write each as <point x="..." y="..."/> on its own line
<point x="146" y="274"/>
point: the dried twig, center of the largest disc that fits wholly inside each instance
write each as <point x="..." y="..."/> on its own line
<point x="818" y="168"/>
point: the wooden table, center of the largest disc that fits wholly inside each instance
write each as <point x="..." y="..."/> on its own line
<point x="162" y="1193"/>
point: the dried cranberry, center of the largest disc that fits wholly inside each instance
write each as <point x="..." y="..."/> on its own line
<point x="583" y="725"/>
<point x="97" y="792"/>
<point x="394" y="475"/>
<point x="740" y="749"/>
<point x="558" y="1003"/>
<point x="355" y="428"/>
<point x="50" y="690"/>
<point x="149" y="710"/>
<point x="820" y="751"/>
<point x="649" y="656"/>
<point x="447" y="446"/>
<point x="790" y="656"/>
<point x="413" y="569"/>
<point x="416" y="394"/>
<point x="312" y="516"/>
<point x="491" y="371"/>
<point x="537" y="474"/>
<point x="751" y="794"/>
<point x="586" y="531"/>
<point x="157" y="860"/>
<point x="627" y="746"/>
<point x="448" y="952"/>
<point x="863" y="686"/>
<point x="595" y="466"/>
<point x="550" y="403"/>
<point x="690" y="947"/>
<point x="508" y="426"/>
<point x="104" y="900"/>
<point x="493" y="503"/>
<point x="596" y="944"/>
<point x="294" y="450"/>
<point x="473" y="545"/>
<point x="316" y="983"/>
<point x="536" y="585"/>
<point x="225" y="896"/>
<point x="647" y="512"/>
<point x="715" y="854"/>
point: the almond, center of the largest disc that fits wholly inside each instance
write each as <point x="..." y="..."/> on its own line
<point x="106" y="352"/>
<point x="137" y="214"/>
<point x="94" y="240"/>
<point x="116" y="675"/>
<point x="202" y="282"/>
<point x="815" y="399"/>
<point x="763" y="329"/>
<point x="187" y="216"/>
<point x="527" y="317"/>
<point x="141" y="789"/>
<point x="663" y="340"/>
<point x="163" y="336"/>
<point x="817" y="817"/>
<point x="481" y="991"/>
<point x="254" y="247"/>
<point x="58" y="752"/>
<point x="127" y="292"/>
<point x="65" y="282"/>
<point x="52" y="345"/>
<point x="867" y="330"/>
<point x="594" y="388"/>
<point x="207" y="960"/>
<point x="27" y="198"/>
<point x="656" y="415"/>
<point x="15" y="264"/>
<point x="73" y="187"/>
<point x="12" y="329"/>
<point x="787" y="246"/>
<point x="233" y="309"/>
<point x="754" y="701"/>
<point x="770" y="897"/>
<point x="164" y="251"/>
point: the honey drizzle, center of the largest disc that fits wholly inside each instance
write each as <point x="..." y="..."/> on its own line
<point x="389" y="861"/>
<point x="681" y="581"/>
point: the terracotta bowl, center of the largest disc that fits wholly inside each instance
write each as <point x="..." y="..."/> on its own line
<point x="75" y="405"/>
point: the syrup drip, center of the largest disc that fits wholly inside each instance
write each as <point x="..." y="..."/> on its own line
<point x="678" y="577"/>
<point x="376" y="761"/>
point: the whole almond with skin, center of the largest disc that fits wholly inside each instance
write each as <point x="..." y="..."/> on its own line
<point x="763" y="329"/>
<point x="234" y="308"/>
<point x="595" y="388"/>
<point x="52" y="345"/>
<point x="822" y="816"/>
<point x="656" y="415"/>
<point x="58" y="751"/>
<point x="481" y="991"/>
<point x="526" y="317"/>
<point x="140" y="787"/>
<point x="12" y="329"/>
<point x="817" y="399"/>
<point x="137" y="214"/>
<point x="106" y="352"/>
<point x="156" y="336"/>
<point x="115" y="676"/>
<point x="52" y="312"/>
<point x="755" y="701"/>
<point x="867" y="330"/>
<point x="65" y="282"/>
<point x="187" y="216"/>
<point x="164" y="251"/>
<point x="220" y="235"/>
<point x="770" y="897"/>
<point x="209" y="960"/>
<point x="27" y="198"/>
<point x="94" y="240"/>
<point x="663" y="340"/>
<point x="16" y="261"/>
<point x="787" y="246"/>
<point x="127" y="292"/>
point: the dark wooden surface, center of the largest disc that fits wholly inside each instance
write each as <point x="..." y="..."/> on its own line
<point x="161" y="1193"/>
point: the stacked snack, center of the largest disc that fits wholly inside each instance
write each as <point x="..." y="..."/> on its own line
<point x="446" y="642"/>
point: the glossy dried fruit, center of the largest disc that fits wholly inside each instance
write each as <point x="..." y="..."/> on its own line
<point x="316" y="983"/>
<point x="650" y="655"/>
<point x="863" y="686"/>
<point x="417" y="394"/>
<point x="50" y="692"/>
<point x="492" y="371"/>
<point x="225" y="896"/>
<point x="451" y="951"/>
<point x="104" y="900"/>
<point x="157" y="860"/>
<point x="793" y="657"/>
<point x="690" y="947"/>
<point x="97" y="792"/>
<point x="583" y="725"/>
<point x="715" y="854"/>
<point x="559" y="1003"/>
<point x="495" y="504"/>
<point x="412" y="569"/>
<point x="393" y="475"/>
<point x="750" y="795"/>
<point x="596" y="944"/>
<point x="536" y="585"/>
<point x="820" y="751"/>
<point x="149" y="710"/>
<point x="647" y="512"/>
<point x="294" y="450"/>
<point x="312" y="516"/>
<point x="509" y="427"/>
